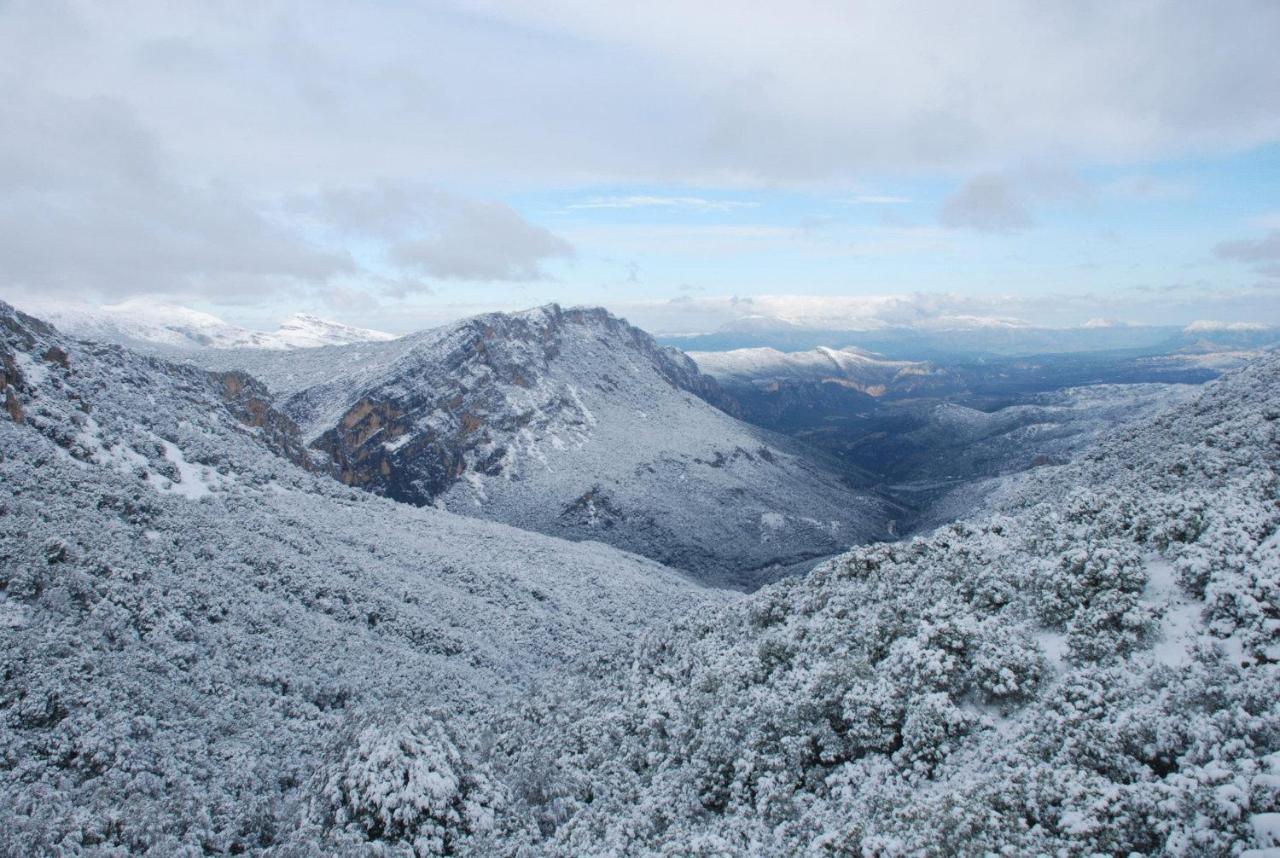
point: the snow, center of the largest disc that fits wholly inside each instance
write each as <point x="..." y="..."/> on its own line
<point x="1055" y="648"/>
<point x="1180" y="615"/>
<point x="895" y="700"/>
<point x="35" y="371"/>
<point x="194" y="481"/>
<point x="196" y="664"/>
<point x="1266" y="828"/>
<point x="1209" y="325"/>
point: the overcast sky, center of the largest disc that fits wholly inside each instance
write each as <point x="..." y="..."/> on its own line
<point x="398" y="164"/>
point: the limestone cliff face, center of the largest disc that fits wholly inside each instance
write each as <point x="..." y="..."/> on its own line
<point x="27" y="334"/>
<point x="249" y="401"/>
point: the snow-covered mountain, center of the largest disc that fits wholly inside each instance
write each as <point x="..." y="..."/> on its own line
<point x="572" y="423"/>
<point x="192" y="618"/>
<point x="1091" y="671"/>
<point x="849" y="367"/>
<point x="150" y="325"/>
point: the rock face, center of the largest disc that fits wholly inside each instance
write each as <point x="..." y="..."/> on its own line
<point x="572" y="423"/>
<point x="250" y="402"/>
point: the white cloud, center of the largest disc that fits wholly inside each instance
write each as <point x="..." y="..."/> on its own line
<point x="642" y="201"/>
<point x="91" y="205"/>
<point x="431" y="232"/>
<point x="879" y="199"/>
<point x="718" y="91"/>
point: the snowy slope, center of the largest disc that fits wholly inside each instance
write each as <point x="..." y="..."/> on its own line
<point x="572" y="423"/>
<point x="150" y="325"/>
<point x="1093" y="671"/>
<point x="190" y="620"/>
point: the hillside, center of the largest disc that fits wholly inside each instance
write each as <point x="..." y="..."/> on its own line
<point x="1092" y="671"/>
<point x="576" y="424"/>
<point x="192" y="617"/>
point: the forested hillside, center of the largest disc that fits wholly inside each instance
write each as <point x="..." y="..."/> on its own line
<point x="1093" y="671"/>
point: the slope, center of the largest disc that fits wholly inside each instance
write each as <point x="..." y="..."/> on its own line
<point x="189" y="618"/>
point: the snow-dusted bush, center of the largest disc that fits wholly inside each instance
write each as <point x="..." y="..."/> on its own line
<point x="405" y="782"/>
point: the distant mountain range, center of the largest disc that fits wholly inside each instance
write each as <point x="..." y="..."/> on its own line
<point x="906" y="342"/>
<point x="156" y="326"/>
<point x="935" y="435"/>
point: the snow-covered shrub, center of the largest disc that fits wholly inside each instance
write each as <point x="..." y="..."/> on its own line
<point x="406" y="783"/>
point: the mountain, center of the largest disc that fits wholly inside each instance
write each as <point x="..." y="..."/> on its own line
<point x="1089" y="670"/>
<point x="149" y="325"/>
<point x="193" y="617"/>
<point x="572" y="423"/>
<point x="209" y="646"/>
<point x="785" y="390"/>
<point x="848" y="367"/>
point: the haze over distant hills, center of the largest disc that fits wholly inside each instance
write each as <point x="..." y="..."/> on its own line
<point x="910" y="342"/>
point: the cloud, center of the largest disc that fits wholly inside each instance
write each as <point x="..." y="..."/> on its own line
<point x="278" y="99"/>
<point x="640" y="201"/>
<point x="1002" y="202"/>
<point x="427" y="231"/>
<point x="878" y="199"/>
<point x="946" y="310"/>
<point x="469" y="240"/>
<point x="1263" y="249"/>
<point x="987" y="203"/>
<point x="1143" y="188"/>
<point x="90" y="204"/>
<point x="809" y="91"/>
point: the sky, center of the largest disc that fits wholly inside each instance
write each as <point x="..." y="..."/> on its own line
<point x="690" y="165"/>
